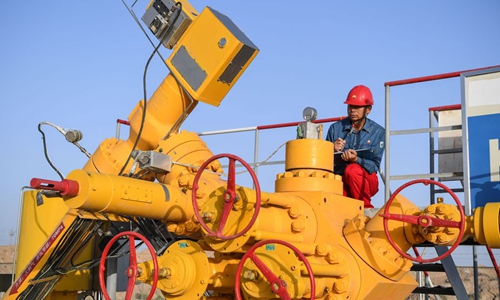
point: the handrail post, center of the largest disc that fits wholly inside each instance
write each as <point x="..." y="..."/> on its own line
<point x="387" y="190"/>
<point x="256" y="152"/>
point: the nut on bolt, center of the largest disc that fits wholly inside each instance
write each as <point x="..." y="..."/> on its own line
<point x="250" y="275"/>
<point x="333" y="297"/>
<point x="340" y="286"/>
<point x="165" y="273"/>
<point x="321" y="250"/>
<point x="297" y="226"/>
<point x="294" y="211"/>
<point x="333" y="257"/>
<point x="443" y="238"/>
<point x="442" y="209"/>
<point x="208" y="216"/>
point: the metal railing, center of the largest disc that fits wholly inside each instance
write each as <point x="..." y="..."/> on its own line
<point x="431" y="130"/>
<point x="389" y="133"/>
<point x="256" y="129"/>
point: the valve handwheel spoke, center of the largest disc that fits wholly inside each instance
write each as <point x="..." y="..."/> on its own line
<point x="132" y="270"/>
<point x="132" y="267"/>
<point x="229" y="197"/>
<point x="424" y="221"/>
<point x="278" y="286"/>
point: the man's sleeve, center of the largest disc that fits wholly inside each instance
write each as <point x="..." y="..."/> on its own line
<point x="373" y="165"/>
<point x="330" y="135"/>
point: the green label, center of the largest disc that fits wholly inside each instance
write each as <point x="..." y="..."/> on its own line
<point x="270" y="247"/>
<point x="183" y="245"/>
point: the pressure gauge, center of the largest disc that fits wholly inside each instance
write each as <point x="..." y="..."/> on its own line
<point x="309" y="114"/>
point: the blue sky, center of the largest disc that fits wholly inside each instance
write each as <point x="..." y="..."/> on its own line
<point x="79" y="64"/>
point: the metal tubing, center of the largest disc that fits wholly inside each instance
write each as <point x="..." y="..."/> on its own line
<point x="214" y="132"/>
<point x="256" y="152"/>
<point x="433" y="77"/>
<point x="387" y="190"/>
<point x="281" y="125"/>
<point x="427" y="175"/>
<point x="111" y="277"/>
<point x="446" y="107"/>
<point x="476" y="275"/>
<point x="495" y="265"/>
<point x="431" y="151"/>
<point x="117" y="135"/>
<point x="119" y="122"/>
<point x="424" y="130"/>
<point x="18" y="229"/>
<point x="270" y="126"/>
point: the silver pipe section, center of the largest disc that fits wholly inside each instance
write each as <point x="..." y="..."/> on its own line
<point x="18" y="229"/>
<point x="387" y="189"/>
<point x="256" y="151"/>
<point x="227" y="131"/>
<point x="111" y="277"/>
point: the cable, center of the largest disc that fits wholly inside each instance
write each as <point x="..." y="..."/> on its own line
<point x="48" y="276"/>
<point x="46" y="153"/>
<point x="144" y="88"/>
<point x="269" y="157"/>
<point x="84" y="151"/>
<point x="83" y="244"/>
<point x="72" y="136"/>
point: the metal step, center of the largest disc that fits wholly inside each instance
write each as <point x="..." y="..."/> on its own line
<point x="447" y="265"/>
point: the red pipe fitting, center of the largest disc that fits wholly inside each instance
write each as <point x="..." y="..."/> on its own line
<point x="66" y="187"/>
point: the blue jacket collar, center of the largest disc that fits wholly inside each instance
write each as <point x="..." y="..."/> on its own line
<point x="348" y="127"/>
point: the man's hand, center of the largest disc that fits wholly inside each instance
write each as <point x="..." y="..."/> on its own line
<point x="350" y="156"/>
<point x="338" y="145"/>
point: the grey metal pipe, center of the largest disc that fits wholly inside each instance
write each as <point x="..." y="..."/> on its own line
<point x="387" y="189"/>
<point x="111" y="277"/>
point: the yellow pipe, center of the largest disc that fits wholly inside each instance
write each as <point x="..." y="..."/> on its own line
<point x="188" y="153"/>
<point x="328" y="270"/>
<point x="128" y="196"/>
<point x="486" y="222"/>
<point x="165" y="108"/>
<point x="375" y="226"/>
<point x="280" y="200"/>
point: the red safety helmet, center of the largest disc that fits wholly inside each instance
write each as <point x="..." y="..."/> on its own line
<point x="359" y="95"/>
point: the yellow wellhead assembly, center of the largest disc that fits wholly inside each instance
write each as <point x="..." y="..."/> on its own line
<point x="211" y="238"/>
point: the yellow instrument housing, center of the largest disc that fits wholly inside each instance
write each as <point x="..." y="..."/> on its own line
<point x="207" y="63"/>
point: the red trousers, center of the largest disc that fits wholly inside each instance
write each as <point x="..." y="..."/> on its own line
<point x="360" y="184"/>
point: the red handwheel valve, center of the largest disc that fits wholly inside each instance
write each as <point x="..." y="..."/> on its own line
<point x="229" y="196"/>
<point x="424" y="221"/>
<point x="132" y="270"/>
<point x="278" y="286"/>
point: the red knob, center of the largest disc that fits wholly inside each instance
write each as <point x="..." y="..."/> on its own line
<point x="66" y="187"/>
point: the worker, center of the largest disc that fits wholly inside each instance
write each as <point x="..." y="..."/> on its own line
<point x="359" y="146"/>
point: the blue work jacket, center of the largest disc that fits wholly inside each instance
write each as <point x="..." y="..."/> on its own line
<point x="369" y="144"/>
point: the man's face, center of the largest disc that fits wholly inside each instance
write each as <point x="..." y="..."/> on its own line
<point x="356" y="113"/>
